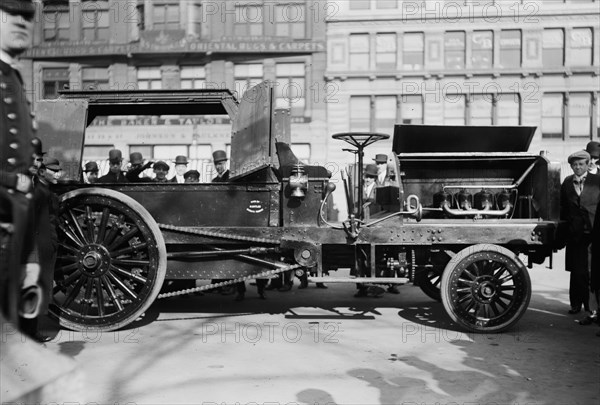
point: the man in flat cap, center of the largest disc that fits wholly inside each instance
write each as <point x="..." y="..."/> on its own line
<point x="220" y="163"/>
<point x="115" y="174"/>
<point x="181" y="164"/>
<point x="192" y="176"/>
<point x="579" y="195"/>
<point x="91" y="171"/>
<point x="46" y="207"/>
<point x="136" y="167"/>
<point x="16" y="151"/>
<point x="593" y="148"/>
<point x="161" y="169"/>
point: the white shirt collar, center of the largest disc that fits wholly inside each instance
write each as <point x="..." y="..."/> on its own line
<point x="580" y="179"/>
<point x="9" y="60"/>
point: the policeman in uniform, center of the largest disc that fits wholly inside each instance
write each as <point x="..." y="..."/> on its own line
<point x="16" y="152"/>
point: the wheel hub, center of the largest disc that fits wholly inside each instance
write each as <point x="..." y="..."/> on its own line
<point x="94" y="260"/>
<point x="485" y="289"/>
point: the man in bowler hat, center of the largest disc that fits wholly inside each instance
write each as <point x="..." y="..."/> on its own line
<point x="579" y="195"/>
<point x="115" y="174"/>
<point x="385" y="175"/>
<point x="593" y="148"/>
<point x="220" y="163"/>
<point x="16" y="154"/>
<point x="181" y="164"/>
<point x="91" y="171"/>
<point x="136" y="167"/>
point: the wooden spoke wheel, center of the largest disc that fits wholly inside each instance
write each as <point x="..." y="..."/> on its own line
<point x="429" y="281"/>
<point x="485" y="288"/>
<point x="111" y="260"/>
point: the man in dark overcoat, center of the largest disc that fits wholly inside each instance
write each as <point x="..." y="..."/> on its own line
<point x="579" y="195"/>
<point x="115" y="174"/>
<point x="17" y="129"/>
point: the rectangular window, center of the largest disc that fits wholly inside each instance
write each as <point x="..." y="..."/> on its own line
<point x="386" y="4"/>
<point x="480" y="109"/>
<point x="553" y="48"/>
<point x="454" y="109"/>
<point x="149" y="78"/>
<point x="168" y="152"/>
<point x="290" y="20"/>
<point x="55" y="22"/>
<point x="94" y="78"/>
<point x="248" y="20"/>
<point x="247" y="76"/>
<point x="97" y="152"/>
<point x="197" y="20"/>
<point x="411" y="109"/>
<point x="95" y="20"/>
<point x="359" y="52"/>
<point x="385" y="114"/>
<point x="147" y="151"/>
<point x="166" y="16"/>
<point x="482" y="54"/>
<point x="580" y="115"/>
<point x="290" y="91"/>
<point x="454" y="49"/>
<point x="193" y="77"/>
<point x="510" y="48"/>
<point x="302" y="151"/>
<point x="360" y="4"/>
<point x="508" y="109"/>
<point x="552" y="115"/>
<point x="54" y="79"/>
<point x="360" y="113"/>
<point x="413" y="51"/>
<point x="581" y="46"/>
<point x="385" y="57"/>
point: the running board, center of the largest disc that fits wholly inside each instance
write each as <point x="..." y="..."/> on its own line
<point x="361" y="280"/>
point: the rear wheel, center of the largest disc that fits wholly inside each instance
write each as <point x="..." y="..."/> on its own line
<point x="111" y="260"/>
<point x="486" y="288"/>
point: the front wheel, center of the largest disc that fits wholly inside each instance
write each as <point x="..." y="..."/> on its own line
<point x="485" y="288"/>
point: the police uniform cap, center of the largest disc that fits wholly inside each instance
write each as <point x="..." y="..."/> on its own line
<point x="18" y="7"/>
<point x="371" y="170"/>
<point x="136" y="158"/>
<point x="115" y="156"/>
<point x="580" y="154"/>
<point x="161" y="164"/>
<point x="593" y="148"/>
<point x="181" y="160"/>
<point x="195" y="174"/>
<point x="381" y="158"/>
<point x="51" y="164"/>
<point x="219" y="156"/>
<point x="91" y="167"/>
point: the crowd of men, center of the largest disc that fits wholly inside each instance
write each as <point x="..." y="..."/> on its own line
<point x="580" y="209"/>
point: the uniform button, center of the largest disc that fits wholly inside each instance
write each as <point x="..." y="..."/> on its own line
<point x="8" y="100"/>
<point x="13" y="131"/>
<point x="14" y="145"/>
<point x="12" y="161"/>
<point x="11" y="116"/>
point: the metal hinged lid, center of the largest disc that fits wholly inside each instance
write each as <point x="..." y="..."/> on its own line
<point x="447" y="138"/>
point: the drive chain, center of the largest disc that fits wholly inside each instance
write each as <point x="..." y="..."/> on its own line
<point x="220" y="235"/>
<point x="229" y="282"/>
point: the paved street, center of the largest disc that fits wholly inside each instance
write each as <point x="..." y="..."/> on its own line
<point x="325" y="347"/>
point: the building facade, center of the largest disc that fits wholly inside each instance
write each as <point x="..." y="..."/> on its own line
<point x="506" y="62"/>
<point x="170" y="44"/>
